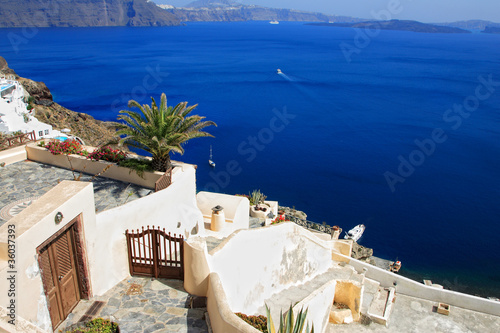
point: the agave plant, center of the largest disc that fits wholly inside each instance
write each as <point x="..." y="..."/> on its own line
<point x="287" y="324"/>
<point x="257" y="197"/>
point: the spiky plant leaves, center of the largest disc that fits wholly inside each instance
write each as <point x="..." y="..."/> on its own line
<point x="160" y="129"/>
<point x="287" y="323"/>
<point x="270" y="323"/>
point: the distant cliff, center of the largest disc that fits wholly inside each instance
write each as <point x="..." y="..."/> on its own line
<point x="492" y="30"/>
<point x="397" y="25"/>
<point x="227" y="10"/>
<point x="83" y="13"/>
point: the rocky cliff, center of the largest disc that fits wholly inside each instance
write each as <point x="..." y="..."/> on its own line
<point x="83" y="13"/>
<point x="93" y="132"/>
<point x="230" y="11"/>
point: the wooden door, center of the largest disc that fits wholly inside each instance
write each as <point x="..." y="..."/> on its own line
<point x="59" y="275"/>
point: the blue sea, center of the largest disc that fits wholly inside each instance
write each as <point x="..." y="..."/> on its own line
<point x="396" y="130"/>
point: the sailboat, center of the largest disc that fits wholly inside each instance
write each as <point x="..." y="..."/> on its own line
<point x="210" y="162"/>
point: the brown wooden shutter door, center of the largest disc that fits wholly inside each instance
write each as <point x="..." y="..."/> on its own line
<point x="59" y="275"/>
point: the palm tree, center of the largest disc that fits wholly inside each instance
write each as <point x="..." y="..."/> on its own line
<point x="159" y="129"/>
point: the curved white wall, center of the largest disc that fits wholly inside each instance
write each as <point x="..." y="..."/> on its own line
<point x="235" y="209"/>
<point x="254" y="264"/>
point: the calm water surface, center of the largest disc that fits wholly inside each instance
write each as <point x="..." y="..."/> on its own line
<point x="323" y="136"/>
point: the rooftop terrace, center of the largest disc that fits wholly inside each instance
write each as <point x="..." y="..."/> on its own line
<point x="23" y="182"/>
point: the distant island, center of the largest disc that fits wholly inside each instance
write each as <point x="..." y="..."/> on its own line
<point x="470" y="24"/>
<point x="401" y="25"/>
<point x="491" y="30"/>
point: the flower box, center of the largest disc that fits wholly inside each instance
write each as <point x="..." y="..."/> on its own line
<point x="81" y="164"/>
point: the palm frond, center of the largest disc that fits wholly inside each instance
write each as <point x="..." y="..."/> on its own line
<point x="160" y="129"/>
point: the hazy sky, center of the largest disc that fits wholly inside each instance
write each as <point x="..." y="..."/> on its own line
<point x="421" y="10"/>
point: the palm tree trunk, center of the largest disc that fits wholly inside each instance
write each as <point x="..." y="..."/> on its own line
<point x="161" y="163"/>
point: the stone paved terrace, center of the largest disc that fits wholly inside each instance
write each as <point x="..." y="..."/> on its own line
<point x="416" y="315"/>
<point x="145" y="305"/>
<point x="23" y="182"/>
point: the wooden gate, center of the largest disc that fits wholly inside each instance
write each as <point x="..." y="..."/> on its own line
<point x="59" y="275"/>
<point x="153" y="252"/>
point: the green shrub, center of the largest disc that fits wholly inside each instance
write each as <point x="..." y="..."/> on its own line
<point x="137" y="165"/>
<point x="97" y="325"/>
<point x="259" y="322"/>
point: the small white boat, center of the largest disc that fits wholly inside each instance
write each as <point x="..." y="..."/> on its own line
<point x="274" y="22"/>
<point x="210" y="162"/>
<point x="355" y="233"/>
<point x="278" y="71"/>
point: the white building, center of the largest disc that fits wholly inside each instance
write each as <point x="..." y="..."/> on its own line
<point x="14" y="113"/>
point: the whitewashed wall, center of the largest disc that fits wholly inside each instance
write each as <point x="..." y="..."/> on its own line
<point x="410" y="287"/>
<point x="235" y="209"/>
<point x="174" y="209"/>
<point x="35" y="225"/>
<point x="254" y="264"/>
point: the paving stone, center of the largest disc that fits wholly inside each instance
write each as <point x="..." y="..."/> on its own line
<point x="177" y="321"/>
<point x="154" y="309"/>
<point x="135" y="303"/>
<point x="177" y="311"/>
<point x="154" y="328"/>
<point x="132" y="327"/>
<point x="108" y="311"/>
<point x="31" y="179"/>
<point x="164" y="318"/>
<point x="114" y="302"/>
<point x="176" y="328"/>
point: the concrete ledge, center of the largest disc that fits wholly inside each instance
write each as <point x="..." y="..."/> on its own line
<point x="409" y="287"/>
<point x="222" y="318"/>
<point x="81" y="164"/>
<point x="13" y="155"/>
<point x="384" y="319"/>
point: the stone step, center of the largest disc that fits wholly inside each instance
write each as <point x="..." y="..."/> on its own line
<point x="377" y="307"/>
<point x="213" y="242"/>
<point x="381" y="306"/>
<point x="369" y="291"/>
<point x="281" y="301"/>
